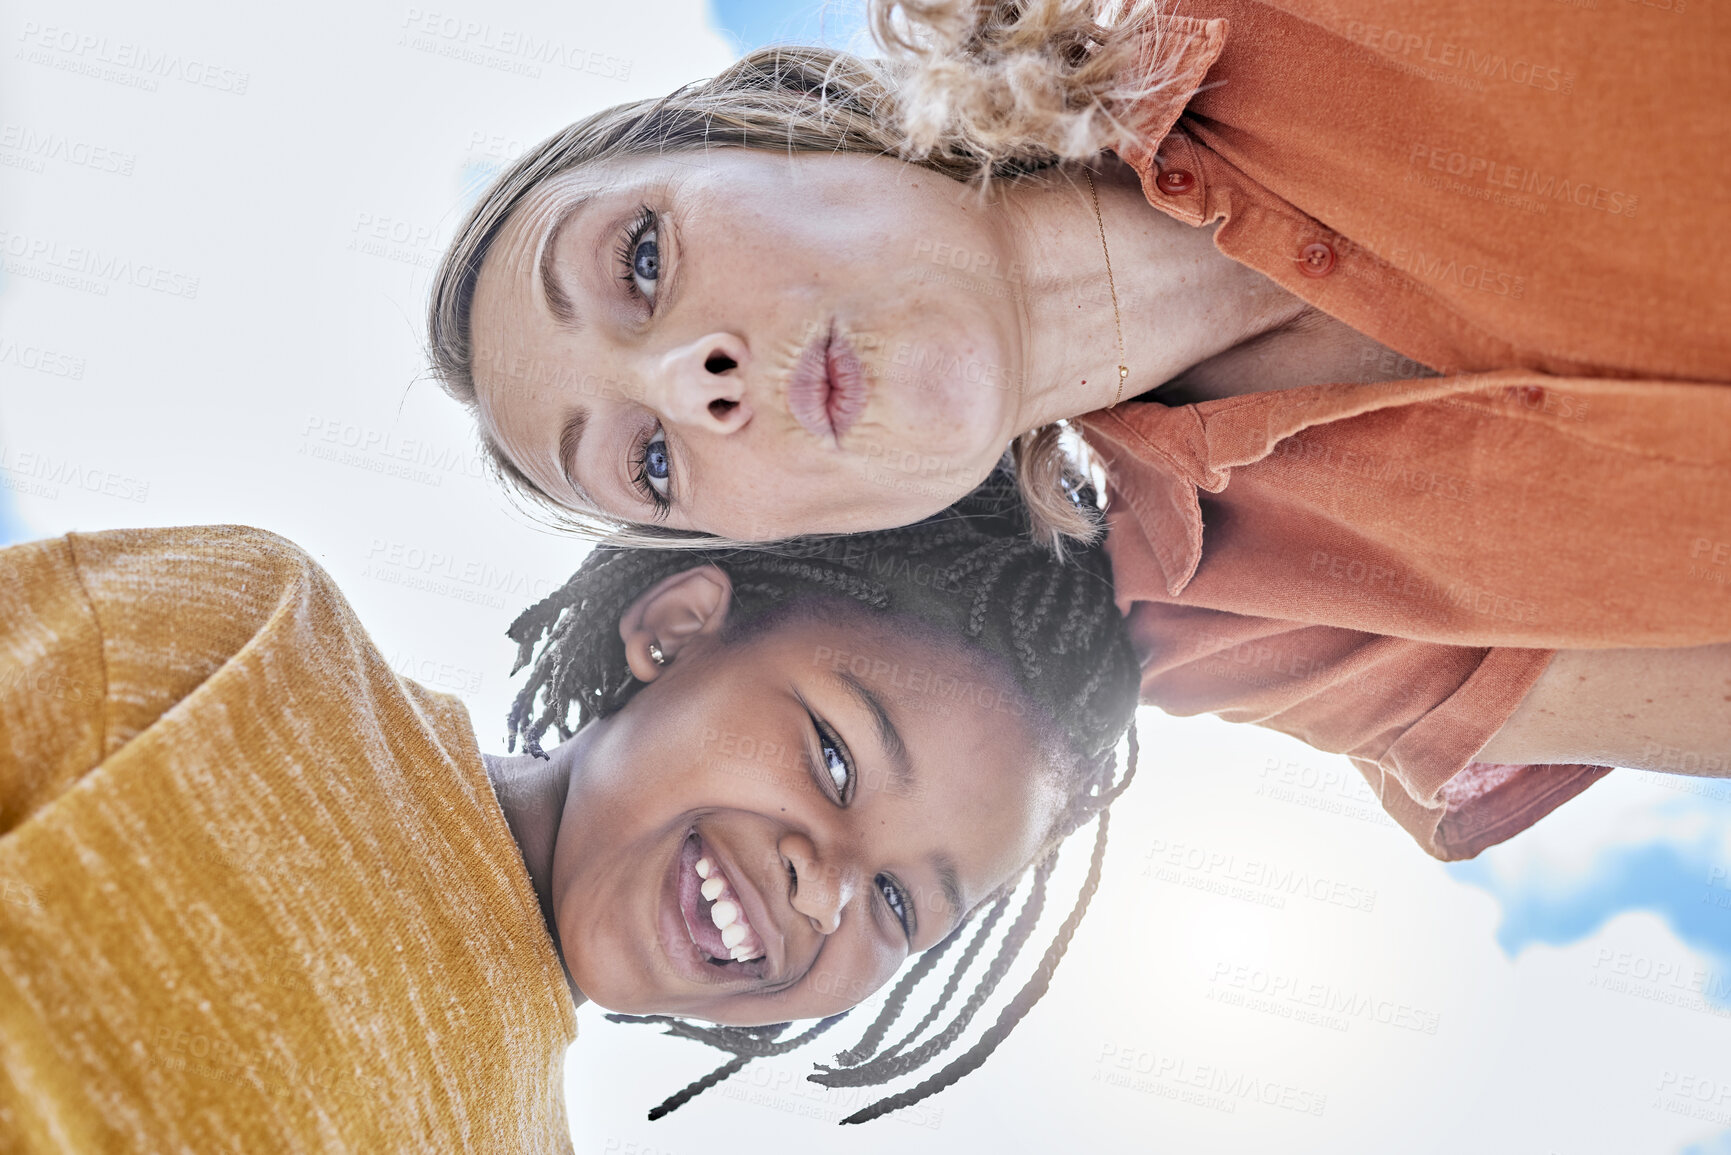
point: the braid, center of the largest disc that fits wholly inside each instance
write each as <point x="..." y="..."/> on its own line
<point x="746" y="1043"/>
<point x="990" y="585"/>
<point x="973" y="572"/>
<point x="697" y="1086"/>
<point x="1080" y="810"/>
<point x="1013" y="1013"/>
<point x="893" y="1065"/>
<point x="868" y="1043"/>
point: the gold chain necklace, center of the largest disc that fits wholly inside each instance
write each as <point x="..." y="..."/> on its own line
<point x="1123" y="370"/>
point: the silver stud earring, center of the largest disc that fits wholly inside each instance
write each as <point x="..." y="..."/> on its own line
<point x="655" y="654"/>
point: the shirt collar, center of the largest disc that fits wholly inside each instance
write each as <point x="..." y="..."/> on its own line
<point x="1157" y="458"/>
<point x="1182" y="48"/>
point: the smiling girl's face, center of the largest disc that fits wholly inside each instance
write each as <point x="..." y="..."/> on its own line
<point x="768" y="829"/>
<point x="750" y="344"/>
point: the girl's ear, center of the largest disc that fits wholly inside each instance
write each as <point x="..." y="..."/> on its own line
<point x="669" y="614"/>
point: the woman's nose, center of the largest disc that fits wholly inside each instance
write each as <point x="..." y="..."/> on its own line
<point x="821" y="886"/>
<point x="701" y="385"/>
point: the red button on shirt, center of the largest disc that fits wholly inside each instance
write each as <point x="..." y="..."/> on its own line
<point x="1316" y="259"/>
<point x="1176" y="181"/>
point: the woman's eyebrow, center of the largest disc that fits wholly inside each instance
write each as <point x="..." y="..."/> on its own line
<point x="569" y="438"/>
<point x="890" y="738"/>
<point x="558" y="303"/>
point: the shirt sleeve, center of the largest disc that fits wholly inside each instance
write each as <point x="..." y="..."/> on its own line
<point x="1383" y="570"/>
<point x="53" y="686"/>
<point x="296" y="854"/>
<point x="104" y="633"/>
<point x="1411" y="715"/>
<point x="1504" y="509"/>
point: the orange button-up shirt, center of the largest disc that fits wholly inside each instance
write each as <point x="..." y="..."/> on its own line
<point x="1531" y="203"/>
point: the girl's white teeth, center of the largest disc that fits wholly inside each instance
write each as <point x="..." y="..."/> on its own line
<point x="736" y="933"/>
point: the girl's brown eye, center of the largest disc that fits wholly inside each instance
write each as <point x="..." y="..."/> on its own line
<point x="838" y="769"/>
<point x="835" y="760"/>
<point x="896" y="901"/>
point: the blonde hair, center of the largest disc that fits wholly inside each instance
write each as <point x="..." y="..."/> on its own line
<point x="977" y="90"/>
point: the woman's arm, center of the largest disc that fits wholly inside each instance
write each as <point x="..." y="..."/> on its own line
<point x="1646" y="709"/>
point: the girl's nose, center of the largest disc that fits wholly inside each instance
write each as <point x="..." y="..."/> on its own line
<point x="821" y="886"/>
<point x="701" y="385"/>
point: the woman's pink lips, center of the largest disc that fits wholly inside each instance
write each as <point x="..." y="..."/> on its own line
<point x="828" y="390"/>
<point x="847" y="396"/>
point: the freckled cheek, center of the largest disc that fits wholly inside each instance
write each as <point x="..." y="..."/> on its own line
<point x="770" y="481"/>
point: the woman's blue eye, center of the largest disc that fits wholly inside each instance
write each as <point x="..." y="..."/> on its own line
<point x="893" y="896"/>
<point x="656" y="465"/>
<point x="646" y="260"/>
<point x="640" y="256"/>
<point x="655" y="468"/>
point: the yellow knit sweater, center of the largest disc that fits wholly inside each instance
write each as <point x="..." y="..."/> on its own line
<point x="256" y="893"/>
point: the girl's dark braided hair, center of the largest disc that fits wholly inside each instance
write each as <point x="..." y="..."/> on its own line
<point x="972" y="573"/>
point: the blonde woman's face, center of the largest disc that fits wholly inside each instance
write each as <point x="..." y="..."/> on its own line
<point x="751" y="344"/>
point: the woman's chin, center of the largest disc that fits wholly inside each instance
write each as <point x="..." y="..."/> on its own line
<point x="899" y="486"/>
